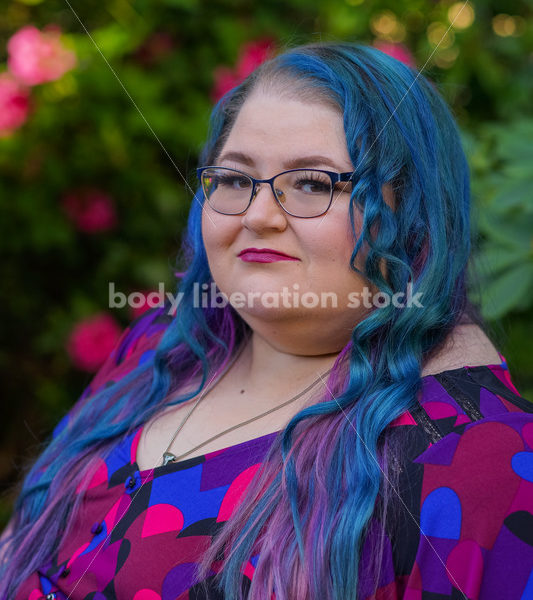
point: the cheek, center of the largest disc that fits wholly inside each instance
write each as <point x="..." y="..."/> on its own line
<point x="332" y="241"/>
<point x="210" y="237"/>
<point x="219" y="233"/>
<point x="208" y="231"/>
<point x="214" y="232"/>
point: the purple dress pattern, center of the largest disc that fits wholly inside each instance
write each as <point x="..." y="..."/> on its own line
<point x="464" y="529"/>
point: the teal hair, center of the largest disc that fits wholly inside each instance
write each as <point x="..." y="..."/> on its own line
<point x="309" y="512"/>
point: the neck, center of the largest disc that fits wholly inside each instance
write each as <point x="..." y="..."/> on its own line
<point x="263" y="366"/>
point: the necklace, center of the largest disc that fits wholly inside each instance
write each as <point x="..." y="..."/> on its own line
<point x="169" y="457"/>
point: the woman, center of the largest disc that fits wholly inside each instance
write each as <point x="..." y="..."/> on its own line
<point x="354" y="433"/>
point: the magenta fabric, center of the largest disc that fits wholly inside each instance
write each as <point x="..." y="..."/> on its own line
<point x="464" y="528"/>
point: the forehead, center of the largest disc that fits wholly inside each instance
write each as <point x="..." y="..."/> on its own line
<point x="270" y="126"/>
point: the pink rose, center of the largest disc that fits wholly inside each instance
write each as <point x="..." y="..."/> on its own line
<point x="14" y="104"/>
<point x="251" y="55"/>
<point x="397" y="51"/>
<point x="225" y="80"/>
<point x="90" y="210"/>
<point x="91" y="341"/>
<point x="38" y="56"/>
<point x="149" y="299"/>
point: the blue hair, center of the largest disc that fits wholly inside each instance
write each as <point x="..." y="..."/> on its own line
<point x="309" y="511"/>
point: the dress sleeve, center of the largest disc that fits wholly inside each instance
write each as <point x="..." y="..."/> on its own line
<point x="476" y="521"/>
<point x="136" y="345"/>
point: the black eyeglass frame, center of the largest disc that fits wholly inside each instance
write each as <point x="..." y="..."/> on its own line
<point x="335" y="178"/>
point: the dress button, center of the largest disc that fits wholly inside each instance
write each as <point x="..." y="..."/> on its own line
<point x="132" y="483"/>
<point x="96" y="528"/>
<point x="51" y="596"/>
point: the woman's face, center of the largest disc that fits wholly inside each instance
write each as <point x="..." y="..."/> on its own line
<point x="270" y="135"/>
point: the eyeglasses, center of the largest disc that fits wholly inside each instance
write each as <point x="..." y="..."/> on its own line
<point x="301" y="193"/>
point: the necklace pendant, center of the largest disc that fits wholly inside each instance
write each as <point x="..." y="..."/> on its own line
<point x="167" y="458"/>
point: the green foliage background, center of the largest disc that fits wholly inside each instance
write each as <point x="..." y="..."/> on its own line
<point x="86" y="130"/>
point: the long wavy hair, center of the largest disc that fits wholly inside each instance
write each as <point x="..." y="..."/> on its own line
<point x="311" y="509"/>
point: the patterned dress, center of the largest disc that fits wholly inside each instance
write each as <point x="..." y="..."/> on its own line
<point x="464" y="529"/>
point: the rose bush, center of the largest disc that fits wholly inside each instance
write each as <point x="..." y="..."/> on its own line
<point x="38" y="56"/>
<point x="90" y="210"/>
<point x="14" y="104"/>
<point x="91" y="341"/>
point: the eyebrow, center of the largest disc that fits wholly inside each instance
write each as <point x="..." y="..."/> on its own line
<point x="293" y="163"/>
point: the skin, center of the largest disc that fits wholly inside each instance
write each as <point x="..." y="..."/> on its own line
<point x="271" y="135"/>
<point x="289" y="347"/>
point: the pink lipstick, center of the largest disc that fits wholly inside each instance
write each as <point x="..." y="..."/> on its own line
<point x="263" y="255"/>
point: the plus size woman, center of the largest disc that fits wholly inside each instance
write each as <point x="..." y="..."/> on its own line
<point x="339" y="426"/>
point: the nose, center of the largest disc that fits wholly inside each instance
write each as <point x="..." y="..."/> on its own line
<point x="264" y="211"/>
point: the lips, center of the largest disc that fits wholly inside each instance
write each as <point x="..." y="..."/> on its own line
<point x="263" y="255"/>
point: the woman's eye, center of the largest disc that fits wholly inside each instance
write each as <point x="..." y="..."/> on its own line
<point x="312" y="186"/>
<point x="343" y="186"/>
<point x="234" y="182"/>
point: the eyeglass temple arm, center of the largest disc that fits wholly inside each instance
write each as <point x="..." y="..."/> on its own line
<point x="346" y="176"/>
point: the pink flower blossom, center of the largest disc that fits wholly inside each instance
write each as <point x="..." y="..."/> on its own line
<point x="38" y="56"/>
<point x="225" y="80"/>
<point x="397" y="51"/>
<point x="151" y="299"/>
<point x="91" y="341"/>
<point x="251" y="55"/>
<point x="91" y="210"/>
<point x="14" y="104"/>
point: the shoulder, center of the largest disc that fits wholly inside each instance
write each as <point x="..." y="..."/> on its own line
<point x="471" y="412"/>
<point x="470" y="489"/>
<point x="136" y="346"/>
<point x="481" y="469"/>
<point x="481" y="445"/>
<point x="453" y="400"/>
<point x="467" y="344"/>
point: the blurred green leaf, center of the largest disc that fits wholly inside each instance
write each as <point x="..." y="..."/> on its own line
<point x="507" y="291"/>
<point x="494" y="259"/>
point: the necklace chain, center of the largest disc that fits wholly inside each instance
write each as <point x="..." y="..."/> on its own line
<point x="169" y="457"/>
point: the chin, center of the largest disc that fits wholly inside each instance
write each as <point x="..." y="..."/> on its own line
<point x="268" y="314"/>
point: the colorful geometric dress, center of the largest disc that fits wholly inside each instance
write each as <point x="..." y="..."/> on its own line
<point x="464" y="528"/>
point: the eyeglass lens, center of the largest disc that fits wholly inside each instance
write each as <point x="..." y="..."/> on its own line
<point x="302" y="193"/>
